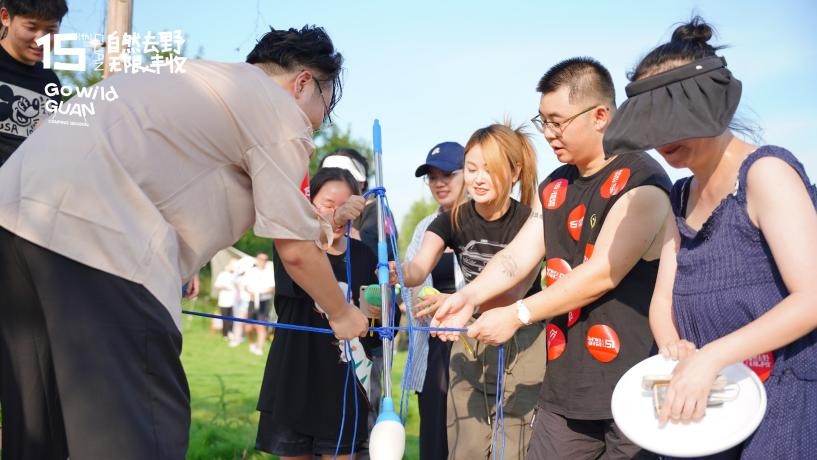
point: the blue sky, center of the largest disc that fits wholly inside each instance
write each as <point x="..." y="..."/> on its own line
<point x="436" y="71"/>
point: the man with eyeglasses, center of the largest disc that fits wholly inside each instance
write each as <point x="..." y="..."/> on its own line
<point x="597" y="226"/>
<point x="96" y="240"/>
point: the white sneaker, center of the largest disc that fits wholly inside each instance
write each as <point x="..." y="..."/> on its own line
<point x="234" y="343"/>
<point x="256" y="350"/>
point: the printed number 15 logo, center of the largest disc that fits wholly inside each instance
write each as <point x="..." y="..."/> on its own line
<point x="59" y="50"/>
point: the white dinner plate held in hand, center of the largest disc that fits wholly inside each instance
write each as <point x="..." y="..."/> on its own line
<point x="722" y="428"/>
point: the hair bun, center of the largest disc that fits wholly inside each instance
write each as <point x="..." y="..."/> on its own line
<point x="696" y="30"/>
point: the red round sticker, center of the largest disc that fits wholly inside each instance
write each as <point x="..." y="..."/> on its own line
<point x="554" y="194"/>
<point x="573" y="316"/>
<point x="603" y="343"/>
<point x="588" y="251"/>
<point x="305" y="185"/>
<point x="615" y="182"/>
<point x="555" y="341"/>
<point x="762" y="364"/>
<point x="555" y="269"/>
<point x="575" y="220"/>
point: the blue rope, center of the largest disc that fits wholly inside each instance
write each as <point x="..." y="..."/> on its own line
<point x="350" y="360"/>
<point x="409" y="366"/>
<point x="499" y="405"/>
<point x="378" y="191"/>
<point x="343" y="410"/>
<point x="318" y="330"/>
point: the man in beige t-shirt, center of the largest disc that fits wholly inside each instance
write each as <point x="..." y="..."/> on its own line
<point x="100" y="225"/>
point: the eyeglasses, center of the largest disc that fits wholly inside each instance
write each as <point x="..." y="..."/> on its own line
<point x="327" y="122"/>
<point x="445" y="178"/>
<point x="557" y="127"/>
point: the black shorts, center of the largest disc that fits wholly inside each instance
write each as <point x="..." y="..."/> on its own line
<point x="279" y="440"/>
<point x="260" y="313"/>
<point x="556" y="436"/>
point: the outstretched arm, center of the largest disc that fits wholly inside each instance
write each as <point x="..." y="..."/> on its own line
<point x="630" y="232"/>
<point x="510" y="268"/>
<point x="416" y="270"/>
<point x="308" y="266"/>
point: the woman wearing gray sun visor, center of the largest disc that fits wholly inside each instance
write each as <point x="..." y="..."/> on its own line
<point x="736" y="280"/>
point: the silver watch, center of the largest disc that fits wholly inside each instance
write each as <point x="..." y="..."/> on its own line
<point x="522" y="312"/>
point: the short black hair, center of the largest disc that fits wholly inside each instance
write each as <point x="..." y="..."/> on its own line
<point x="324" y="175"/>
<point x="49" y="10"/>
<point x="689" y="42"/>
<point x="585" y="77"/>
<point x="293" y="49"/>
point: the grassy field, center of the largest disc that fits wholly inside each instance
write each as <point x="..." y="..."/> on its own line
<point x="224" y="386"/>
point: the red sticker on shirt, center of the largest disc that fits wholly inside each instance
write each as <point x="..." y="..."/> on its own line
<point x="615" y="182"/>
<point x="588" y="251"/>
<point x="762" y="364"/>
<point x="305" y="186"/>
<point x="555" y="269"/>
<point x="573" y="316"/>
<point x="575" y="220"/>
<point x="603" y="343"/>
<point x="554" y="194"/>
<point x="555" y="342"/>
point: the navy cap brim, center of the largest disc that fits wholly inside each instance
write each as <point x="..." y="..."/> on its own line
<point x="422" y="170"/>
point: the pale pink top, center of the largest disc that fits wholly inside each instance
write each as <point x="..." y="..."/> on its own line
<point x="175" y="169"/>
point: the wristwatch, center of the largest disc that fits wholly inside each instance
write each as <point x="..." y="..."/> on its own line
<point x="522" y="312"/>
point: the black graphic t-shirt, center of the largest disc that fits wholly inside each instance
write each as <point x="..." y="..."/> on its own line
<point x="304" y="377"/>
<point x="590" y="348"/>
<point x="22" y="100"/>
<point x="476" y="240"/>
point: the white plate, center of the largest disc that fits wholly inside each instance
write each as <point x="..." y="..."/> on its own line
<point x="721" y="428"/>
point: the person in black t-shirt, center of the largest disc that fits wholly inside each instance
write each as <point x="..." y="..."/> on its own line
<point x="23" y="79"/>
<point x="496" y="158"/>
<point x="301" y="399"/>
<point x="428" y="373"/>
<point x="364" y="229"/>
<point x="597" y="225"/>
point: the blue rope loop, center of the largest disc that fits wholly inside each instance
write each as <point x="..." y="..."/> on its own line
<point x="377" y="191"/>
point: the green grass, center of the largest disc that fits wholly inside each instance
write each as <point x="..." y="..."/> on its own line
<point x="224" y="386"/>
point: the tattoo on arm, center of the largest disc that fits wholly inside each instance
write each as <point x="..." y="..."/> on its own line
<point x="509" y="266"/>
<point x="535" y="215"/>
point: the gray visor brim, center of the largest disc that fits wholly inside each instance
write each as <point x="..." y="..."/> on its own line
<point x="695" y="100"/>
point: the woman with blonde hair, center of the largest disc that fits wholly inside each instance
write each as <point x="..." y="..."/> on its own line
<point x="484" y="220"/>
